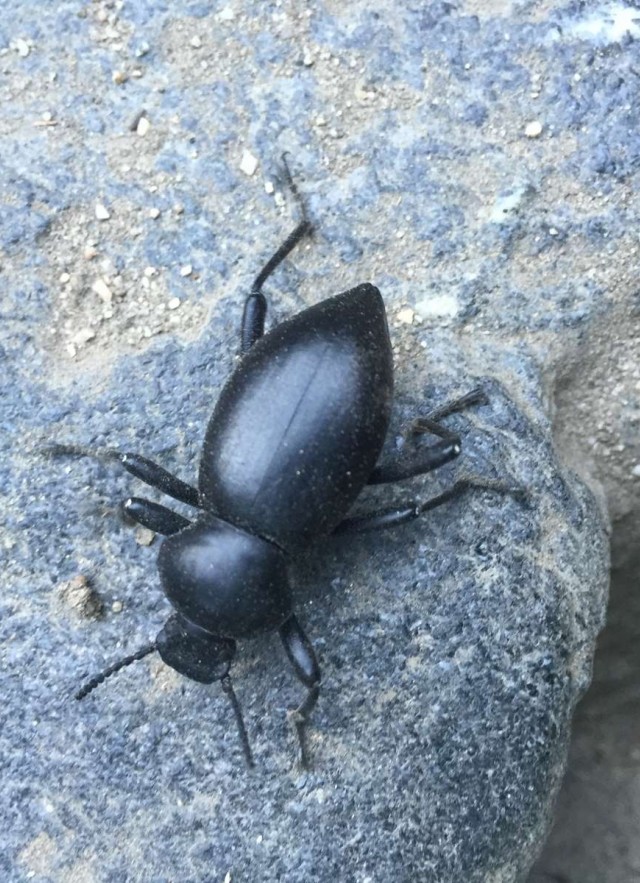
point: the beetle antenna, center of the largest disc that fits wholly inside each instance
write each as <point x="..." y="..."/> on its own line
<point x="98" y="679"/>
<point x="242" y="731"/>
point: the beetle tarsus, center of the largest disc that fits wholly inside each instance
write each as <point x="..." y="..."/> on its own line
<point x="476" y="396"/>
<point x="237" y="711"/>
<point x="137" y="465"/>
<point x="412" y="461"/>
<point x="301" y="655"/>
<point x="299" y="718"/>
<point x="293" y="187"/>
<point x="255" y="307"/>
<point x="430" y="423"/>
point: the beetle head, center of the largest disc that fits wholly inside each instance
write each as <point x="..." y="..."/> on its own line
<point x="203" y="657"/>
<point x="193" y="652"/>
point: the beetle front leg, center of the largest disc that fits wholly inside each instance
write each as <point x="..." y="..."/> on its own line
<point x="412" y="462"/>
<point x="141" y="467"/>
<point x="397" y="515"/>
<point x="303" y="659"/>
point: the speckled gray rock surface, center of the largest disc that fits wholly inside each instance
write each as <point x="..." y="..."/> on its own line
<point x="478" y="165"/>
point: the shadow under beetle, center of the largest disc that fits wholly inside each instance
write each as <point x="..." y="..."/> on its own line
<point x="294" y="438"/>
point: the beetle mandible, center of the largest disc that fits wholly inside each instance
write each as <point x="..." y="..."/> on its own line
<point x="295" y="436"/>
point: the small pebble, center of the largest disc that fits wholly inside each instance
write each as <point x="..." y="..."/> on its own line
<point x="83" y="336"/>
<point x="117" y="606"/>
<point x="102" y="212"/>
<point x="78" y="595"/>
<point x="248" y="163"/>
<point x="64" y="278"/>
<point x="143" y="126"/>
<point x="187" y="270"/>
<point x="439" y="306"/>
<point x="119" y="77"/>
<point x="133" y="125"/>
<point x="226" y="14"/>
<point x="533" y="129"/>
<point x="364" y="91"/>
<point x="103" y="291"/>
<point x="196" y="42"/>
<point x="406" y="316"/>
<point x="154" y="213"/>
<point x="144" y="536"/>
<point x="174" y="303"/>
<point x="21" y="47"/>
<point x="636" y="471"/>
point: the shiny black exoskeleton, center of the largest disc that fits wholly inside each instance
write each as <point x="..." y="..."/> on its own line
<point x="294" y="438"/>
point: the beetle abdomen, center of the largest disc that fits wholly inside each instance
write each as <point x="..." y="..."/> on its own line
<point x="299" y="426"/>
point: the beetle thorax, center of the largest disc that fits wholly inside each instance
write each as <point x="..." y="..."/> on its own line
<point x="224" y="580"/>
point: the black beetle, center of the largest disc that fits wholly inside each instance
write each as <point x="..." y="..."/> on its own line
<point x="294" y="438"/>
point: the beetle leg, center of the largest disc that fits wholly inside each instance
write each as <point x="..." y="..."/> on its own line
<point x="144" y="469"/>
<point x="255" y="307"/>
<point x="157" y="518"/>
<point x="237" y="713"/>
<point x="402" y="514"/>
<point x="412" y="462"/>
<point x="303" y="659"/>
<point x="477" y="396"/>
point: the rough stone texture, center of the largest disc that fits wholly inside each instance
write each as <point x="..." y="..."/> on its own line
<point x="595" y="834"/>
<point x="453" y="650"/>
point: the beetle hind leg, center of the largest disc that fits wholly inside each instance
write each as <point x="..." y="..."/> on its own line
<point x="476" y="396"/>
<point x="255" y="307"/>
<point x="303" y="659"/>
<point x="396" y="515"/>
<point x="298" y="718"/>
